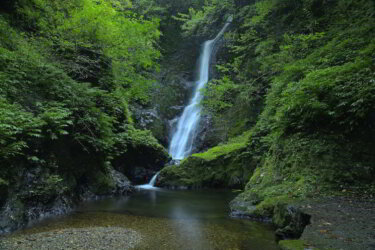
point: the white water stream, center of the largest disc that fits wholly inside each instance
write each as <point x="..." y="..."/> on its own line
<point x="151" y="184"/>
<point x="183" y="139"/>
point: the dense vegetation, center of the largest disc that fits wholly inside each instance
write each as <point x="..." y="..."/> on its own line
<point x="298" y="76"/>
<point x="67" y="78"/>
<point x="292" y="101"/>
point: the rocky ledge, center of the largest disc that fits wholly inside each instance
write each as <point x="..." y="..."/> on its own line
<point x="29" y="202"/>
<point x="333" y="222"/>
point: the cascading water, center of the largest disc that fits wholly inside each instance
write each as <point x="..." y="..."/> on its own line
<point x="151" y="184"/>
<point x="183" y="139"/>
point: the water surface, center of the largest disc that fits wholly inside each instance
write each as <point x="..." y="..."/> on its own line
<point x="170" y="220"/>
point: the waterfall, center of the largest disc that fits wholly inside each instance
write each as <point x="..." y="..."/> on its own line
<point x="151" y="184"/>
<point x="153" y="179"/>
<point x="183" y="139"/>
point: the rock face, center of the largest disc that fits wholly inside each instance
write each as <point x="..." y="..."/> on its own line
<point x="290" y="220"/>
<point x="141" y="161"/>
<point x="169" y="98"/>
<point x="39" y="196"/>
<point x="122" y="185"/>
<point x="150" y="118"/>
<point x="202" y="138"/>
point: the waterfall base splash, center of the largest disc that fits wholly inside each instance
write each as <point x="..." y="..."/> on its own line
<point x="151" y="184"/>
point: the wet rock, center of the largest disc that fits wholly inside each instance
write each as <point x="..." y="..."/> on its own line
<point x="145" y="117"/>
<point x="41" y="195"/>
<point x="122" y="183"/>
<point x="11" y="216"/>
<point x="241" y="208"/>
<point x="141" y="160"/>
<point x="245" y="208"/>
<point x="142" y="175"/>
<point x="177" y="108"/>
<point x="290" y="220"/>
<point x="200" y="138"/>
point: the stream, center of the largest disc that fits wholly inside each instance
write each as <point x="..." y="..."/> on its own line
<point x="165" y="219"/>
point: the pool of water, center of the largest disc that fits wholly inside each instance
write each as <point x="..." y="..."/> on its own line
<point x="170" y="220"/>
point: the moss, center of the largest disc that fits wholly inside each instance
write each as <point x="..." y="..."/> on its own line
<point x="292" y="244"/>
<point x="226" y="165"/>
<point x="234" y="144"/>
<point x="267" y="206"/>
<point x="102" y="183"/>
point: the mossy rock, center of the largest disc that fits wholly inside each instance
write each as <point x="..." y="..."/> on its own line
<point x="227" y="165"/>
<point x="282" y="211"/>
<point x="102" y="184"/>
<point x="143" y="151"/>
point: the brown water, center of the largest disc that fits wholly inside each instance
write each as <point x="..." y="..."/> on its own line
<point x="170" y="220"/>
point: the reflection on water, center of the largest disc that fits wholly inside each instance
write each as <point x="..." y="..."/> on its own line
<point x="171" y="220"/>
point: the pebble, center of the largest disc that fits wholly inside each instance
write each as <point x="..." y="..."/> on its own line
<point x="76" y="238"/>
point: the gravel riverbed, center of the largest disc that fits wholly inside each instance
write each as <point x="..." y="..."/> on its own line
<point x="75" y="238"/>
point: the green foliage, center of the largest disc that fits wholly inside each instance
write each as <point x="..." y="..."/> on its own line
<point x="263" y="8"/>
<point x="68" y="71"/>
<point x="137" y="140"/>
<point x="200" y="21"/>
<point x="15" y="124"/>
<point x="219" y="94"/>
<point x="47" y="187"/>
<point x="57" y="119"/>
<point x="117" y="49"/>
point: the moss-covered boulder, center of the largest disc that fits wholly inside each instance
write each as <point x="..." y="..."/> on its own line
<point x="141" y="157"/>
<point x="226" y="165"/>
